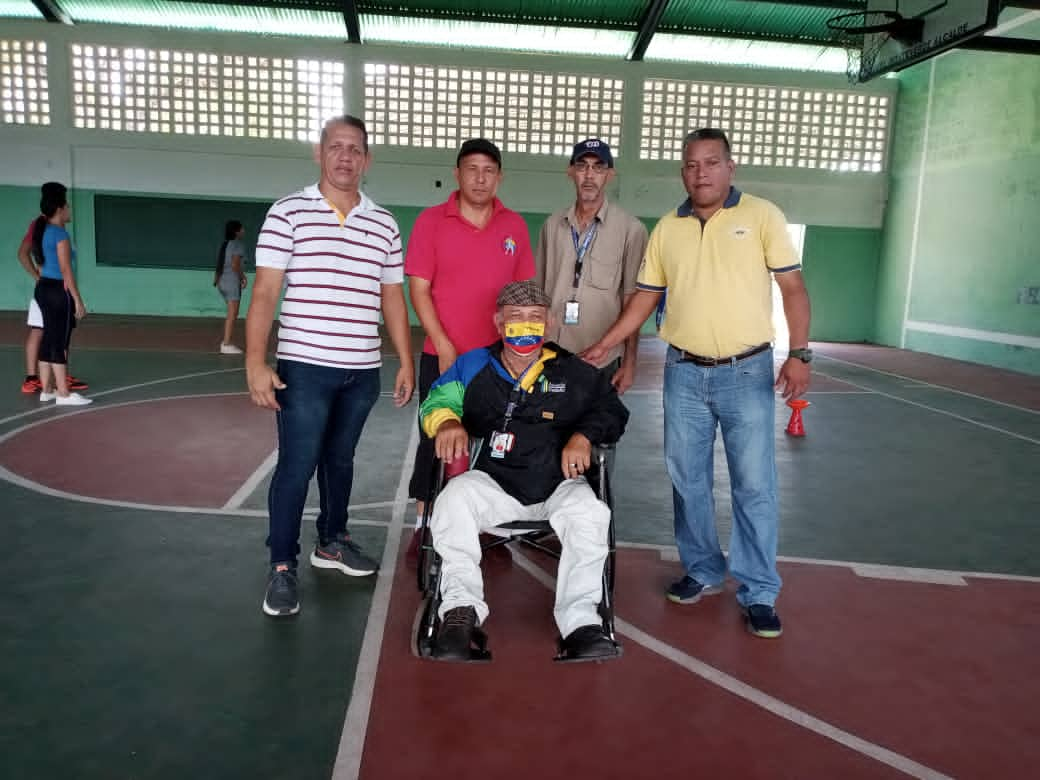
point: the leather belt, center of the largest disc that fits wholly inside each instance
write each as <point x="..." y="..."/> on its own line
<point x="699" y="360"/>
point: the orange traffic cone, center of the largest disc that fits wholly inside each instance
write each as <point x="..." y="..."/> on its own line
<point x="794" y="425"/>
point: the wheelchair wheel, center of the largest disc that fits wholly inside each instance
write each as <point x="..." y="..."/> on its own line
<point x="424" y="627"/>
<point x="429" y="562"/>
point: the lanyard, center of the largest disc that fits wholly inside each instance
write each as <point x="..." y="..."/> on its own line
<point x="516" y="394"/>
<point x="582" y="248"/>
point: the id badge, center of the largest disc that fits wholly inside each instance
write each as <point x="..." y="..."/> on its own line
<point x="501" y="443"/>
<point x="570" y="313"/>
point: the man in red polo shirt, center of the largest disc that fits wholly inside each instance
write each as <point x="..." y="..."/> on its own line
<point x="460" y="254"/>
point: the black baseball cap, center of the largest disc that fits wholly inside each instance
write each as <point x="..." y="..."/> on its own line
<point x="479" y="146"/>
<point x="593" y="146"/>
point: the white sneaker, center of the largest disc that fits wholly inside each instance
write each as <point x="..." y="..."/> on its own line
<point x="229" y="349"/>
<point x="73" y="399"/>
<point x="45" y="397"/>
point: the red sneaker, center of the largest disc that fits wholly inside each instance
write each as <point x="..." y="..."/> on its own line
<point x="76" y="384"/>
<point x="31" y="385"/>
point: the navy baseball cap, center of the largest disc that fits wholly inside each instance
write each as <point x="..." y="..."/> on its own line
<point x="595" y="147"/>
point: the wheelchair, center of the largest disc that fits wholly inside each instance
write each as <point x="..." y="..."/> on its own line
<point x="537" y="534"/>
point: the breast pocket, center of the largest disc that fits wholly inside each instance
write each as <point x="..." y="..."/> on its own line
<point x="602" y="272"/>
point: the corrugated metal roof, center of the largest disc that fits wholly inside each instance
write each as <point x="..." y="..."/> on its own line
<point x="209" y="16"/>
<point x="624" y="14"/>
<point x="493" y="35"/>
<point x="749" y="19"/>
<point x="608" y="26"/>
<point x="21" y="9"/>
<point x="742" y="52"/>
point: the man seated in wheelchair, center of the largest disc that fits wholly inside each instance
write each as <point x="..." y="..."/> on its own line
<point x="539" y="409"/>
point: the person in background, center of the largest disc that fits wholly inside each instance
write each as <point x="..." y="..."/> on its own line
<point x="57" y="296"/>
<point x="31" y="383"/>
<point x="230" y="280"/>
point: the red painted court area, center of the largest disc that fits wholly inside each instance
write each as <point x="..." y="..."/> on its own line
<point x="916" y="679"/>
<point x="127" y="452"/>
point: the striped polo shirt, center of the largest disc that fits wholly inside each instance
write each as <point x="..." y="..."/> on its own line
<point x="334" y="268"/>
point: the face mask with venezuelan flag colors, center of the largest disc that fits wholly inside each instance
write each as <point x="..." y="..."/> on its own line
<point x="525" y="337"/>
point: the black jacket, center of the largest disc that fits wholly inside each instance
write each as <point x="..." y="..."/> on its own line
<point x="565" y="397"/>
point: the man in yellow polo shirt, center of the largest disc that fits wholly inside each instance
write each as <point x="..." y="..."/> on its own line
<point x="715" y="255"/>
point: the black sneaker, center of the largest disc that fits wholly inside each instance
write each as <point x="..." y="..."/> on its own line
<point x="588" y="643"/>
<point x="762" y="620"/>
<point x="689" y="591"/>
<point x="281" y="599"/>
<point x="344" y="555"/>
<point x="459" y="638"/>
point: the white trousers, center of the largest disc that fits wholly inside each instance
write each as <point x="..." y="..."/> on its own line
<point x="473" y="502"/>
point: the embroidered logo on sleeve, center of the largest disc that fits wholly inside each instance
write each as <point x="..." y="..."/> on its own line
<point x="509" y="245"/>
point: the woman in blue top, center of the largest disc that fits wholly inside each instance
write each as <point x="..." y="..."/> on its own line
<point x="230" y="280"/>
<point x="57" y="295"/>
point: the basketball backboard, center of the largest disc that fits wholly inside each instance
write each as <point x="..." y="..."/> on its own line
<point x="944" y="24"/>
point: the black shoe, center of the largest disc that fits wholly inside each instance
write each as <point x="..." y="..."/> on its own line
<point x="762" y="620"/>
<point x="588" y="643"/>
<point x="690" y="591"/>
<point x="281" y="599"/>
<point x="343" y="555"/>
<point x="459" y="639"/>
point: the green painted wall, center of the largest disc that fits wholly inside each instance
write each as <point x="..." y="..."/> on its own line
<point x="111" y="290"/>
<point x="977" y="242"/>
<point x="840" y="269"/>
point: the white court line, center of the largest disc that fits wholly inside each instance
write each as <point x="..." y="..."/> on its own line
<point x="669" y="552"/>
<point x="960" y="417"/>
<point x="251" y="484"/>
<point x="753" y="695"/>
<point x="808" y="392"/>
<point x="838" y="392"/>
<point x="355" y="725"/>
<point x="236" y="511"/>
<point x="922" y="383"/>
<point x="46" y="407"/>
<point x="36" y="487"/>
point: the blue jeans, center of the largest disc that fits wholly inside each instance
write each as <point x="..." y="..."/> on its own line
<point x="739" y="399"/>
<point x="323" y="412"/>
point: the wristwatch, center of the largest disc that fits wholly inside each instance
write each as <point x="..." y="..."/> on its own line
<point x="804" y="354"/>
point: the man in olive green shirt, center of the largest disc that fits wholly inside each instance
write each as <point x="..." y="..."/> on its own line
<point x="587" y="260"/>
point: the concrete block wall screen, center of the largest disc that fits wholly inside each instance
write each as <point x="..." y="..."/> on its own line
<point x="893" y="34"/>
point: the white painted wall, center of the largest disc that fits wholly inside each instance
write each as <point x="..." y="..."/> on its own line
<point x="150" y="162"/>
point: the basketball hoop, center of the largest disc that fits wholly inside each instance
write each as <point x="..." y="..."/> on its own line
<point x="865" y="33"/>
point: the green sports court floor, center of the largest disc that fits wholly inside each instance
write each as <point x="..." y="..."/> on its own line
<point x="133" y="644"/>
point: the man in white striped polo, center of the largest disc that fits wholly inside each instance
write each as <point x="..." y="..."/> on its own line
<point x="339" y="257"/>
